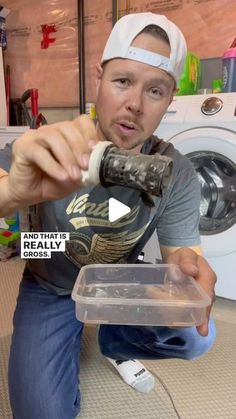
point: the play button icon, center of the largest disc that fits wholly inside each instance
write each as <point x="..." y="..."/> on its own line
<point x="117" y="209"/>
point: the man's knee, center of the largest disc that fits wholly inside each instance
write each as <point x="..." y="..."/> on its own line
<point x="199" y="345"/>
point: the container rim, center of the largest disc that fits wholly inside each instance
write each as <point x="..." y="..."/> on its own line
<point x="141" y="302"/>
<point x="205" y="302"/>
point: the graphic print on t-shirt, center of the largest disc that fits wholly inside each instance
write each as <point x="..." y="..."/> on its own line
<point x="93" y="238"/>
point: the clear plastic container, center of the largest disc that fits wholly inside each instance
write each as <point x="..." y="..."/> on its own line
<point x="139" y="294"/>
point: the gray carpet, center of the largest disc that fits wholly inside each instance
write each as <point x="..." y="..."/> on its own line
<point x="200" y="389"/>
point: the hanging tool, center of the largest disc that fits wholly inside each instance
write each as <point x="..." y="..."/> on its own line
<point x="36" y="119"/>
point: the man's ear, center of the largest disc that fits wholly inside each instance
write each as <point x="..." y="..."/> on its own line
<point x="99" y="71"/>
<point x="173" y="93"/>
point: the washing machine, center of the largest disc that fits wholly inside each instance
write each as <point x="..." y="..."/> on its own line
<point x="203" y="127"/>
<point x="9" y="134"/>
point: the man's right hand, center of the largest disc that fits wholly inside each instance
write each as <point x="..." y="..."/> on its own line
<point x="47" y="162"/>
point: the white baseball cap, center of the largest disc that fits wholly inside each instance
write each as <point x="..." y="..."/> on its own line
<point x="129" y="26"/>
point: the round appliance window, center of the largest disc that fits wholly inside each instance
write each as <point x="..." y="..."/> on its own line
<point x="217" y="177"/>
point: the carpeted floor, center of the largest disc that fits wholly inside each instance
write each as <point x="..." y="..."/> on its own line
<point x="200" y="389"/>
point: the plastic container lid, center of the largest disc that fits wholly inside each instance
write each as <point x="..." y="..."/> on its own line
<point x="139" y="294"/>
<point x="230" y="53"/>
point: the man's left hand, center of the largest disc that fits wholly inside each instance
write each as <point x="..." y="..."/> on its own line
<point x="196" y="266"/>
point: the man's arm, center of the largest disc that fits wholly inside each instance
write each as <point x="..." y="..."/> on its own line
<point x="3" y="173"/>
<point x="7" y="206"/>
<point x="167" y="250"/>
<point x="46" y="163"/>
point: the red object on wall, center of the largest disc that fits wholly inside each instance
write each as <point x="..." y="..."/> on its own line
<point x="46" y="31"/>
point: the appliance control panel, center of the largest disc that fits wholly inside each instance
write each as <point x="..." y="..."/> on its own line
<point x="209" y="108"/>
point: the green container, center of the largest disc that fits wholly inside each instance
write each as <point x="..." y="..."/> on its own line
<point x="190" y="79"/>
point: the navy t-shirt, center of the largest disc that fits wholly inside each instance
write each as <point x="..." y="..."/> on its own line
<point x="93" y="239"/>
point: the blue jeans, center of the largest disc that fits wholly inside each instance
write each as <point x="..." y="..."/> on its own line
<point x="46" y="342"/>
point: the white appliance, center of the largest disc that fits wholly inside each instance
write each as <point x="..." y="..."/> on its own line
<point x="8" y="134"/>
<point x="203" y="127"/>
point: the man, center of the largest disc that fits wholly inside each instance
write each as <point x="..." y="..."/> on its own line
<point x="136" y="80"/>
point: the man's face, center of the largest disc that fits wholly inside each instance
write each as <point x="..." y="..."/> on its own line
<point x="133" y="97"/>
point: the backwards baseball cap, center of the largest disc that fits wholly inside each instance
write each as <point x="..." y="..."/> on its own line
<point x="129" y="26"/>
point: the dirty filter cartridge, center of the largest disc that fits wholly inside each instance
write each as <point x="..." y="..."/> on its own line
<point x="110" y="165"/>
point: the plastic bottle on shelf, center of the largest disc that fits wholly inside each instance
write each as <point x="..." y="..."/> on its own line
<point x="229" y="69"/>
<point x="217" y="85"/>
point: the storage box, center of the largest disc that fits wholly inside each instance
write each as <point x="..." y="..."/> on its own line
<point x="139" y="294"/>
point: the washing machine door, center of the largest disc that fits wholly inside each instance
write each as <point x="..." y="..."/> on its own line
<point x="212" y="150"/>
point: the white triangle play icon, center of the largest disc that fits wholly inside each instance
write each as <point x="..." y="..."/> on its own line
<point x="117" y="210"/>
